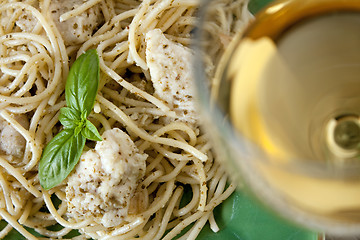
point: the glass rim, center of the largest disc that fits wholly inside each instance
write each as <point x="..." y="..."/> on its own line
<point x="214" y="116"/>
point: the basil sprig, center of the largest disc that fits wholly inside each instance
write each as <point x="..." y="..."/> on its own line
<point x="63" y="152"/>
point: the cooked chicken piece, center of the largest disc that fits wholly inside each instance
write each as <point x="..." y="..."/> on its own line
<point x="171" y="73"/>
<point x="11" y="141"/>
<point x="105" y="180"/>
<point x="77" y="29"/>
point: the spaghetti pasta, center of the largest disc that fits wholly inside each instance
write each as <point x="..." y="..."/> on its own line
<point x="38" y="43"/>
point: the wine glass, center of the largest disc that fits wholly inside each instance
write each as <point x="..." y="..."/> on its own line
<point x="280" y="97"/>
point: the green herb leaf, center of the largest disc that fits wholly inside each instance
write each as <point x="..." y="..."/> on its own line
<point x="78" y="128"/>
<point x="69" y="117"/>
<point x="82" y="83"/>
<point x="63" y="152"/>
<point x="90" y="132"/>
<point x="60" y="157"/>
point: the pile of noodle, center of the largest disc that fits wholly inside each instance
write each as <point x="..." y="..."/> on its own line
<point x="34" y="64"/>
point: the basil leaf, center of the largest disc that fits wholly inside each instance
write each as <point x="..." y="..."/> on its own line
<point x="83" y="82"/>
<point x="79" y="128"/>
<point x="63" y="152"/>
<point x="90" y="132"/>
<point x="69" y="117"/>
<point x="60" y="157"/>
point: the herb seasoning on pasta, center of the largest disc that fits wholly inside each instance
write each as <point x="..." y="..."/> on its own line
<point x="152" y="154"/>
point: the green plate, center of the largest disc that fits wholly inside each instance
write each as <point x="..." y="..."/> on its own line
<point x="242" y="218"/>
<point x="256" y="5"/>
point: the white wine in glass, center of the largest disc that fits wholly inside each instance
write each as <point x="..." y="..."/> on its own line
<point x="290" y="87"/>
